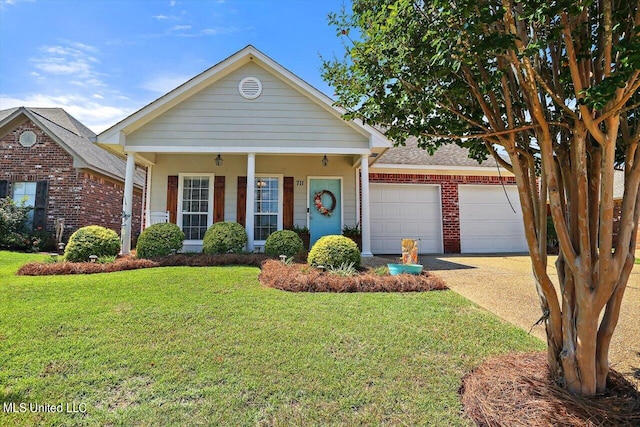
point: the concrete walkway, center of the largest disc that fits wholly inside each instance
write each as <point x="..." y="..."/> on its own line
<point x="503" y="284"/>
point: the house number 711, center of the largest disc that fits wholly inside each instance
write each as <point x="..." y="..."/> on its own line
<point x="299" y="183"/>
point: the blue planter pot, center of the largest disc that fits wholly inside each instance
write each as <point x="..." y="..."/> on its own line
<point x="395" y="269"/>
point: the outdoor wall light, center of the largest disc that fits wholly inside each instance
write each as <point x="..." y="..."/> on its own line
<point x="218" y="160"/>
<point x="325" y="161"/>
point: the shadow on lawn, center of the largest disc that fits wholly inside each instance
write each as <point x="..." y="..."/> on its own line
<point x="10" y="397"/>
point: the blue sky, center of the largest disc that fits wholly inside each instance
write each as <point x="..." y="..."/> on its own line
<point x="101" y="60"/>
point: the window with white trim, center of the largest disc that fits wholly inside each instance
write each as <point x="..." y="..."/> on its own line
<point x="267" y="207"/>
<point x="195" y="205"/>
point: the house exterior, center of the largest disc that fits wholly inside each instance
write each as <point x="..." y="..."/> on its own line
<point x="248" y="141"/>
<point x="450" y="202"/>
<point x="48" y="159"/>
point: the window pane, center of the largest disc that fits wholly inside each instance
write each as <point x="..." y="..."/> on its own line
<point x="195" y="207"/>
<point x="25" y="192"/>
<point x="18" y="187"/>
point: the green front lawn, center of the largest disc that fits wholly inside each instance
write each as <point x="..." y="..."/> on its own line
<point x="211" y="346"/>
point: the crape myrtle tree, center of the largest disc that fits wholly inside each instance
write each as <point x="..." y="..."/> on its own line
<point x="553" y="86"/>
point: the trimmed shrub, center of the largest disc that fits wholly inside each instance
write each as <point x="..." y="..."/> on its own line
<point x="334" y="251"/>
<point x="283" y="242"/>
<point x="159" y="240"/>
<point x="224" y="237"/>
<point x="92" y="240"/>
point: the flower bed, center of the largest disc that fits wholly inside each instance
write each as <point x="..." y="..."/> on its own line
<point x="302" y="278"/>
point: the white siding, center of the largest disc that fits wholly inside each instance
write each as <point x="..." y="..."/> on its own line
<point x="219" y="116"/>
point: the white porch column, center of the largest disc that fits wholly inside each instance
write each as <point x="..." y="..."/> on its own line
<point x="147" y="199"/>
<point x="249" y="214"/>
<point x="127" y="205"/>
<point x="365" y="226"/>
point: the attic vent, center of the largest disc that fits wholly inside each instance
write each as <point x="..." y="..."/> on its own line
<point x="28" y="138"/>
<point x="250" y="87"/>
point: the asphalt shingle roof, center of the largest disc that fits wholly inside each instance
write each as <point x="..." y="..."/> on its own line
<point x="76" y="138"/>
<point x="446" y="155"/>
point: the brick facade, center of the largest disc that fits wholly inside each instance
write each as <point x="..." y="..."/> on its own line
<point x="449" y="196"/>
<point x="80" y="196"/>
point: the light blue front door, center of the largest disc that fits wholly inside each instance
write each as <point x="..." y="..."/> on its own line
<point x="319" y="224"/>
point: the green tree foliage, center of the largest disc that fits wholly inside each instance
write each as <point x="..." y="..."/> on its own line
<point x="13" y="223"/>
<point x="553" y="86"/>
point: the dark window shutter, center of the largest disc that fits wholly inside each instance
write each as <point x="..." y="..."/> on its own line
<point x="4" y="188"/>
<point x="172" y="198"/>
<point x="241" y="212"/>
<point x="287" y="203"/>
<point x="40" y="206"/>
<point x="218" y="199"/>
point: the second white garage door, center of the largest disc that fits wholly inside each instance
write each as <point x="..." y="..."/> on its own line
<point x="488" y="222"/>
<point x="405" y="211"/>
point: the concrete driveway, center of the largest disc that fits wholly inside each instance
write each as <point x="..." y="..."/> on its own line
<point x="503" y="284"/>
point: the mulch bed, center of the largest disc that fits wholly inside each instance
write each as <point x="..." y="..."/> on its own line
<point x="517" y="390"/>
<point x="275" y="274"/>
<point x="302" y="278"/>
<point x="130" y="263"/>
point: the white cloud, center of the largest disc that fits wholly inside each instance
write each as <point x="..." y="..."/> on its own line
<point x="71" y="58"/>
<point x="161" y="84"/>
<point x="54" y="65"/>
<point x="222" y="30"/>
<point x="94" y="114"/>
<point x="14" y="2"/>
<point x="166" y="17"/>
<point x="180" y="27"/>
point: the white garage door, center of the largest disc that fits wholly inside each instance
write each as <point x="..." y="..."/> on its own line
<point x="405" y="211"/>
<point x="488" y="222"/>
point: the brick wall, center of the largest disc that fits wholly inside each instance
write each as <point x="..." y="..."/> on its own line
<point x="449" y="196"/>
<point x="80" y="197"/>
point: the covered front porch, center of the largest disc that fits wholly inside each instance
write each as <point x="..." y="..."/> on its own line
<point x="264" y="192"/>
<point x="248" y="141"/>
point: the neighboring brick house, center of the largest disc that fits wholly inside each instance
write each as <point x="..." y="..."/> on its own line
<point x="46" y="156"/>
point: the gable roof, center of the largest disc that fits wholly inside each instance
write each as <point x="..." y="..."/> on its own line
<point x="75" y="138"/>
<point x="114" y="135"/>
<point x="446" y="155"/>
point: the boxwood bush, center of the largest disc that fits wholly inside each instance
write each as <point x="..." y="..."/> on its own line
<point x="224" y="237"/>
<point x="159" y="240"/>
<point x="92" y="240"/>
<point x="334" y="251"/>
<point x="283" y="242"/>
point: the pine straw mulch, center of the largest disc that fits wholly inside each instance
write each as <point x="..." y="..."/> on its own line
<point x="131" y="263"/>
<point x="303" y="278"/>
<point x="275" y="274"/>
<point x="517" y="390"/>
